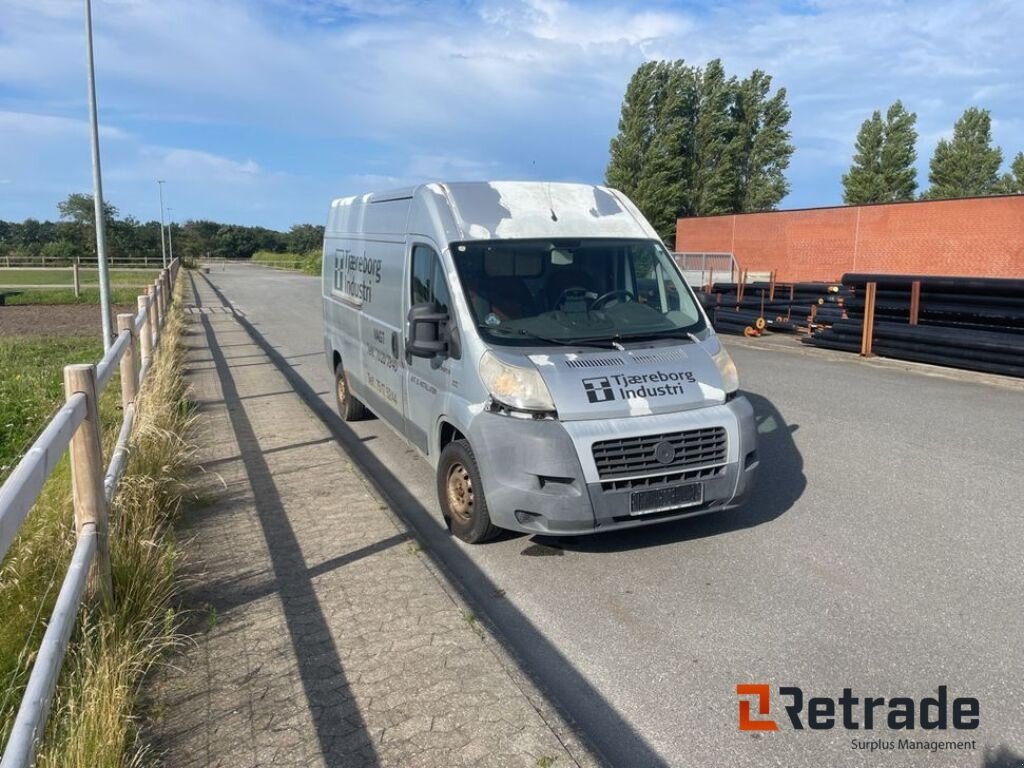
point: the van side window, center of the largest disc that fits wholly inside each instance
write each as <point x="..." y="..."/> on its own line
<point x="428" y="283"/>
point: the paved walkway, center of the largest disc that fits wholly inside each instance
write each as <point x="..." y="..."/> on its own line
<point x="327" y="638"/>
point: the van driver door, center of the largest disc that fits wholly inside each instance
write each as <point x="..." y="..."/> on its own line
<point x="427" y="379"/>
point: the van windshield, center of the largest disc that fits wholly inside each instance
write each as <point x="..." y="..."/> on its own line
<point x="566" y="291"/>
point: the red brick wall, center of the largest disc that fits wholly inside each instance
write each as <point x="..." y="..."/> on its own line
<point x="977" y="236"/>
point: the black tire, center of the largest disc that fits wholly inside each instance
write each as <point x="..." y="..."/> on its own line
<point x="461" y="494"/>
<point x="349" y="407"/>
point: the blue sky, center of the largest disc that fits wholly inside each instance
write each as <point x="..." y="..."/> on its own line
<point x="261" y="111"/>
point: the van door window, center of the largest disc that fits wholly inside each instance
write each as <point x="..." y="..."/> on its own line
<point x="428" y="283"/>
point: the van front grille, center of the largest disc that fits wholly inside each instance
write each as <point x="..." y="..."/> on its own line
<point x="653" y="481"/>
<point x="660" y="454"/>
<point x="594" y="362"/>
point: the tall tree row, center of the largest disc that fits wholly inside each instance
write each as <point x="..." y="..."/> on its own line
<point x="965" y="166"/>
<point x="883" y="167"/>
<point x="697" y="141"/>
<point x="128" y="238"/>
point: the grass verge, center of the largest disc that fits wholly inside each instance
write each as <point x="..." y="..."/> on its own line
<point x="62" y="276"/>
<point x="307" y="263"/>
<point x="93" y="719"/>
<point x="119" y="294"/>
<point x="31" y="386"/>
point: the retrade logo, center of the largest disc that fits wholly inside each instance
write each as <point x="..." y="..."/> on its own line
<point x="850" y="712"/>
<point x="762" y="695"/>
<point x="598" y="389"/>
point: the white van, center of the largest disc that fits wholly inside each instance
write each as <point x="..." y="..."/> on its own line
<point x="537" y="344"/>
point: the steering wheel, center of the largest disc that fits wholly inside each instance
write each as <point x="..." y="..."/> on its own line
<point x="623" y="294"/>
<point x="574" y="293"/>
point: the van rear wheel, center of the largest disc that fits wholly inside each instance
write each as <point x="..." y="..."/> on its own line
<point x="349" y="408"/>
<point x="461" y="494"/>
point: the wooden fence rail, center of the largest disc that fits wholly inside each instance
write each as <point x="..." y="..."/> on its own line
<point x="76" y="428"/>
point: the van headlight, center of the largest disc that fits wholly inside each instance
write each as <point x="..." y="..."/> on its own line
<point x="520" y="388"/>
<point x="726" y="369"/>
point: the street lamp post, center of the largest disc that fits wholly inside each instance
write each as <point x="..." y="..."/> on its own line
<point x="97" y="187"/>
<point x="163" y="244"/>
<point x="170" y="231"/>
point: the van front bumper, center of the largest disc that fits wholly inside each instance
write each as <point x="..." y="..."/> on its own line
<point x="539" y="475"/>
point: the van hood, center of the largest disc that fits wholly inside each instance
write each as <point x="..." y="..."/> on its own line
<point x="630" y="382"/>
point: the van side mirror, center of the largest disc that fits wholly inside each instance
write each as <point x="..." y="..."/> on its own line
<point x="428" y="331"/>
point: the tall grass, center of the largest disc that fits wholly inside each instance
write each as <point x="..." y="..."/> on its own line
<point x="120" y="295"/>
<point x="31" y="387"/>
<point x="307" y="263"/>
<point x="94" y="721"/>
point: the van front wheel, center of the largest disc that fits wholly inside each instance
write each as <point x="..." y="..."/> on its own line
<point x="461" y="494"/>
<point x="349" y="408"/>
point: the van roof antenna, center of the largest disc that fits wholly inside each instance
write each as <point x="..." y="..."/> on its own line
<point x="551" y="204"/>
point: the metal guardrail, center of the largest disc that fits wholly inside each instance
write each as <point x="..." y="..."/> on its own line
<point x="703" y="269"/>
<point x="76" y="427"/>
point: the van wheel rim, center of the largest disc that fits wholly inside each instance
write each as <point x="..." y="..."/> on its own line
<point x="460" y="492"/>
<point x="342" y="389"/>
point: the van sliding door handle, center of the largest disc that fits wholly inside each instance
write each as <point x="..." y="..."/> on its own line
<point x="394" y="344"/>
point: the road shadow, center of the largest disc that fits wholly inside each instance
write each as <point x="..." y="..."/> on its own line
<point x="1001" y="757"/>
<point x="780" y="482"/>
<point x="605" y="731"/>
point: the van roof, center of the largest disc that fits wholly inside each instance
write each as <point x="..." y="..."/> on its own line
<point x="484" y="210"/>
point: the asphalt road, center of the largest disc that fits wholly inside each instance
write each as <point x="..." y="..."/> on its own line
<point x="882" y="553"/>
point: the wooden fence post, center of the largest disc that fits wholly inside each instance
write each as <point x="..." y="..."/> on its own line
<point x="75" y="278"/>
<point x="159" y="295"/>
<point x="87" y="477"/>
<point x="146" y="334"/>
<point x="129" y="372"/>
<point x="867" y="337"/>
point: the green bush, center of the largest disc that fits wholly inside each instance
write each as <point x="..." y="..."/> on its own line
<point x="308" y="262"/>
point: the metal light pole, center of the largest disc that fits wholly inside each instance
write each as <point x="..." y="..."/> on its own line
<point x="97" y="187"/>
<point x="163" y="245"/>
<point x="170" y="229"/>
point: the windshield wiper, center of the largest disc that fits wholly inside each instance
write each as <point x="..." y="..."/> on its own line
<point x="549" y="340"/>
<point x="668" y="333"/>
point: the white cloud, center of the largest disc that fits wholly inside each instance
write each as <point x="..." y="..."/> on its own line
<point x="193" y="165"/>
<point x="42" y="127"/>
<point x="457" y="88"/>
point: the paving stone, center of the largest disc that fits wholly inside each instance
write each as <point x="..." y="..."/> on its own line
<point x="370" y="662"/>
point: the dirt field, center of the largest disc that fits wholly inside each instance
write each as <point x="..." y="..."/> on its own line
<point x="42" y="320"/>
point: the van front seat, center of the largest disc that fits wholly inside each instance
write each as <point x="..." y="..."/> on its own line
<point x="508" y="298"/>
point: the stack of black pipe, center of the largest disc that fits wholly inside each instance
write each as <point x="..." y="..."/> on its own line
<point x="963" y="322"/>
<point x="784" y="313"/>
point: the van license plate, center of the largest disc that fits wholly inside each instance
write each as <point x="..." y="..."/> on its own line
<point x="663" y="499"/>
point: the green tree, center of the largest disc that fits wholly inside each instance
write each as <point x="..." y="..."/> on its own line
<point x="698" y="141"/>
<point x="899" y="153"/>
<point x="883" y="166"/>
<point x="305" y="237"/>
<point x="762" y="144"/>
<point x="58" y="253"/>
<point x="78" y="217"/>
<point x="968" y="164"/>
<point x="640" y="151"/>
<point x="864" y="183"/>
<point x="1012" y="182"/>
